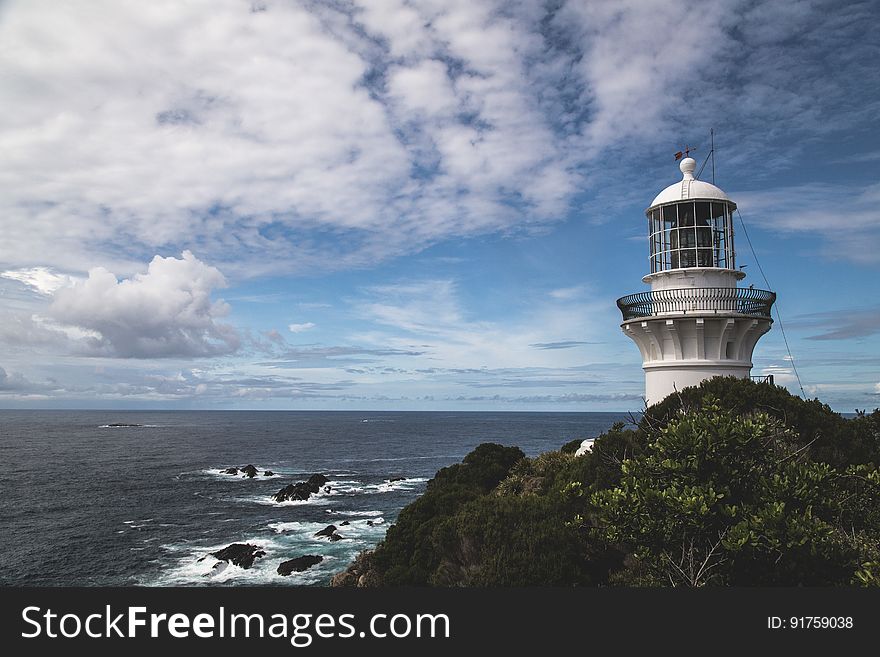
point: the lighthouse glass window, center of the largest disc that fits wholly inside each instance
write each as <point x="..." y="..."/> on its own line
<point x="690" y="234"/>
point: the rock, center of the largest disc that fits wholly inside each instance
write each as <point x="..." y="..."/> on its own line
<point x="302" y="490"/>
<point x="249" y="471"/>
<point x="268" y="473"/>
<point x="393" y="479"/>
<point x="369" y="523"/>
<point x="293" y="492"/>
<point x="123" y="424"/>
<point x="328" y="531"/>
<point x="344" y="523"/>
<point x="299" y="564"/>
<point x="327" y="489"/>
<point x="232" y="471"/>
<point x="343" y="580"/>
<point x="360" y="573"/>
<point x="335" y="536"/>
<point x="369" y="579"/>
<point x="239" y="554"/>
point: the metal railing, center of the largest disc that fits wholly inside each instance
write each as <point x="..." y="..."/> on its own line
<point x="762" y="378"/>
<point x="698" y="300"/>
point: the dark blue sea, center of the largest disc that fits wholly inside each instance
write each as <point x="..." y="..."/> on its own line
<point x="85" y="503"/>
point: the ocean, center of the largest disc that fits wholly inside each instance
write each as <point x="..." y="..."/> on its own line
<point x="86" y="503"/>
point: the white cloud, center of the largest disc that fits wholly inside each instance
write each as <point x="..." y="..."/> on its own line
<point x="300" y="328"/>
<point x="40" y="279"/>
<point x="165" y="312"/>
<point x="430" y="314"/>
<point x="333" y="135"/>
<point x="821" y="210"/>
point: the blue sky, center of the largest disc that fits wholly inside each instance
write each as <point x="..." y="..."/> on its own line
<point x="416" y="205"/>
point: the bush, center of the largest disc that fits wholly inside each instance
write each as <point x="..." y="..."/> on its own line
<point x="728" y="483"/>
<point x="723" y="498"/>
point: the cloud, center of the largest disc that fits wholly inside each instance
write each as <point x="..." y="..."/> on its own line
<point x="315" y="136"/>
<point x="42" y="280"/>
<point x="165" y="312"/>
<point x="843" y="324"/>
<point x="16" y="386"/>
<point x="817" y="210"/>
<point x="299" y="328"/>
<point x="317" y="356"/>
<point x="564" y="344"/>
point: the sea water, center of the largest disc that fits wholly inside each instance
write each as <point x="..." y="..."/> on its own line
<point x="83" y="502"/>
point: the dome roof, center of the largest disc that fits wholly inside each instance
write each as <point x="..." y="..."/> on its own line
<point x="689" y="188"/>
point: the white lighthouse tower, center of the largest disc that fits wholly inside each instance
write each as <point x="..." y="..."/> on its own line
<point x="695" y="323"/>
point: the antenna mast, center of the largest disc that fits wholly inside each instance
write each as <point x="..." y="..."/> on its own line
<point x="712" y="151"/>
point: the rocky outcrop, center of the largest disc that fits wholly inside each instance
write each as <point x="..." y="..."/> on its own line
<point x="393" y="479"/>
<point x="359" y="574"/>
<point x="268" y="473"/>
<point x="299" y="564"/>
<point x="330" y="533"/>
<point x="302" y="490"/>
<point x="239" y="554"/>
<point x="329" y="530"/>
<point x="249" y="471"/>
<point x="230" y="471"/>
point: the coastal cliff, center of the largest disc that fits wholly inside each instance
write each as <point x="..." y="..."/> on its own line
<point x="731" y="483"/>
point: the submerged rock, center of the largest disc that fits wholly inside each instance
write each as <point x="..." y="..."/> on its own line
<point x="301" y="490"/>
<point x="393" y="479"/>
<point x="239" y="554"/>
<point x="299" y="564"/>
<point x="268" y="473"/>
<point x="230" y="471"/>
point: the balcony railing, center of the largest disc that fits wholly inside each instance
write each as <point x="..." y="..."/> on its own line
<point x="698" y="301"/>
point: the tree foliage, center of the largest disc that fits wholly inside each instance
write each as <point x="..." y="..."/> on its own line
<point x="728" y="483"/>
<point x="724" y="498"/>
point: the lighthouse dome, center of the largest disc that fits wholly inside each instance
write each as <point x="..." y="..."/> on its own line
<point x="689" y="188"/>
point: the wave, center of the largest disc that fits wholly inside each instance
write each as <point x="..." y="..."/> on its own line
<point x="126" y="425"/>
<point x="188" y="564"/>
<point x="218" y="473"/>
<point x="387" y="486"/>
<point x="352" y="513"/>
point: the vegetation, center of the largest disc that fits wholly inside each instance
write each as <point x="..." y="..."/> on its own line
<point x="730" y="483"/>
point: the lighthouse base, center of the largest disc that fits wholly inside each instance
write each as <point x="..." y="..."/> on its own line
<point x="664" y="379"/>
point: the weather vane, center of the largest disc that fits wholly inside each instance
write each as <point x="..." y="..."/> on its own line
<point x="687" y="151"/>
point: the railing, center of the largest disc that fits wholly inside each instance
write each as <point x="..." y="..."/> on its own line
<point x="765" y="378"/>
<point x="698" y="300"/>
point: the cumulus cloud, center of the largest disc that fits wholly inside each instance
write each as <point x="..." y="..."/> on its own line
<point x="166" y="311"/>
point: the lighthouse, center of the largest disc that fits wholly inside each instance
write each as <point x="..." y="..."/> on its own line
<point x="694" y="323"/>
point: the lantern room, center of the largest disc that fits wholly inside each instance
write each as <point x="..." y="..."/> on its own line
<point x="690" y="225"/>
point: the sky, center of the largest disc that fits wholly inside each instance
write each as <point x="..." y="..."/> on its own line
<point x="417" y="205"/>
